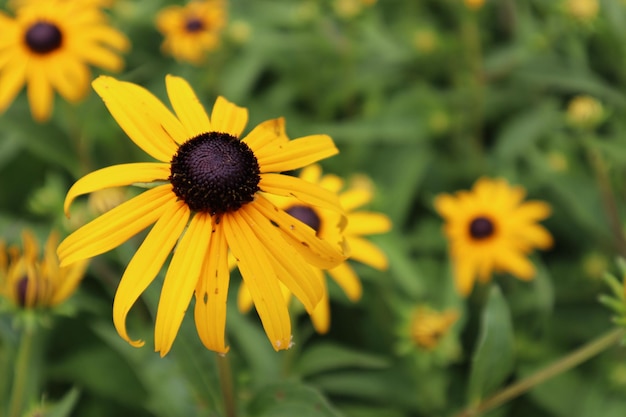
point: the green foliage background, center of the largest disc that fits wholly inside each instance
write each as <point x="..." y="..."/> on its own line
<point x="422" y="96"/>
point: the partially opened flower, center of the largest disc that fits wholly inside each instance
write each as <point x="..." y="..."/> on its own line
<point x="490" y="229"/>
<point x="29" y="281"/>
<point x="429" y="326"/>
<point x="208" y="198"/>
<point x="324" y="222"/>
<point x="192" y="30"/>
<point x="49" y="46"/>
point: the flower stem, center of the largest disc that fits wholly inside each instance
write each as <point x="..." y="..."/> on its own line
<point x="226" y="383"/>
<point x="21" y="372"/>
<point x="601" y="172"/>
<point x="566" y="363"/>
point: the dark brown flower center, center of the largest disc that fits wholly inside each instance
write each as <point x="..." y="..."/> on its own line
<point x="215" y="173"/>
<point x="481" y="228"/>
<point x="43" y="38"/>
<point x="193" y="24"/>
<point x="22" y="291"/>
<point x="306" y="215"/>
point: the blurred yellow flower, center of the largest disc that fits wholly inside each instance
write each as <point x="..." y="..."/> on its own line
<point x="585" y="112"/>
<point x="350" y="8"/>
<point x="192" y="30"/>
<point x="324" y="222"/>
<point x="208" y="197"/>
<point x="425" y="40"/>
<point x="48" y="46"/>
<point x="490" y="229"/>
<point x="474" y="4"/>
<point x="429" y="326"/>
<point x="30" y="282"/>
<point x="583" y="10"/>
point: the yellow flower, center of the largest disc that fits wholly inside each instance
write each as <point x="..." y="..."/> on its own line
<point x="474" y="4"/>
<point x="192" y="30"/>
<point x="30" y="282"/>
<point x="323" y="222"/>
<point x="350" y="8"/>
<point x="209" y="188"/>
<point x="583" y="10"/>
<point x="429" y="326"/>
<point x="48" y="46"/>
<point x="490" y="229"/>
<point x="585" y="112"/>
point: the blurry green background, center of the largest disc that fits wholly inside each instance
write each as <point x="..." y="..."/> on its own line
<point x="422" y="96"/>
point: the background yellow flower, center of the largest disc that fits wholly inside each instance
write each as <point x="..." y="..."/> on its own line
<point x="49" y="46"/>
<point x="490" y="229"/>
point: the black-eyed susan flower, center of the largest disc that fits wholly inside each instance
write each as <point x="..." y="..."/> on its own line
<point x="429" y="326"/>
<point x="192" y="30"/>
<point x="29" y="281"/>
<point x="49" y="46"/>
<point x="360" y="223"/>
<point x="208" y="198"/>
<point x="490" y="229"/>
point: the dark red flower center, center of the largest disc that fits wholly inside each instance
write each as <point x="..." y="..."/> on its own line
<point x="215" y="173"/>
<point x="306" y="215"/>
<point x="481" y="228"/>
<point x="43" y="38"/>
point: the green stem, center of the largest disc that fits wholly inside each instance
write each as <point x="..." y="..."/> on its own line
<point x="21" y="372"/>
<point x="226" y="383"/>
<point x="609" y="201"/>
<point x="568" y="362"/>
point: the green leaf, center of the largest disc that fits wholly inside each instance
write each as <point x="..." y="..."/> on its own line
<point x="290" y="399"/>
<point x="64" y="407"/>
<point x="327" y="356"/>
<point x="525" y="129"/>
<point x="493" y="358"/>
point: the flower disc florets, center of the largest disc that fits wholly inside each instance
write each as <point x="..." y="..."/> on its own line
<point x="481" y="228"/>
<point x="306" y="215"/>
<point x="43" y="37"/>
<point x="194" y="25"/>
<point x="215" y="173"/>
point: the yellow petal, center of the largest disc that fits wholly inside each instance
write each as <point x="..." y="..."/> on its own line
<point x="307" y="193"/>
<point x="180" y="281"/>
<point x="533" y="211"/>
<point x="321" y="315"/>
<point x="464" y="275"/>
<point x="348" y="280"/>
<point x="446" y="205"/>
<point x="296" y="153"/>
<point x="101" y="57"/>
<point x="115" y="176"/>
<point x="115" y="226"/>
<point x="244" y="299"/>
<point x="270" y="132"/>
<point x="70" y="78"/>
<point x="40" y="95"/>
<point x="212" y="294"/>
<point x="12" y="78"/>
<point x="71" y="277"/>
<point x="147" y="262"/>
<point x="291" y="269"/>
<point x="355" y="198"/>
<point x="146" y="121"/>
<point x="367" y="223"/>
<point x="188" y="108"/>
<point x="318" y="252"/>
<point x="366" y="252"/>
<point x="311" y="173"/>
<point x="228" y="117"/>
<point x="260" y="279"/>
<point x="515" y="263"/>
